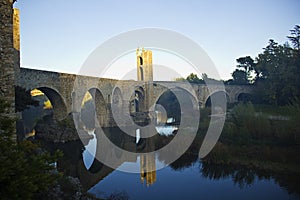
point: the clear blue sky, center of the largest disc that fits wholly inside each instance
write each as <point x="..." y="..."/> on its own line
<point x="58" y="35"/>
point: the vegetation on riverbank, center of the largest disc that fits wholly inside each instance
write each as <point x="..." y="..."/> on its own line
<point x="24" y="167"/>
<point x="250" y="132"/>
<point x="264" y="134"/>
<point x="28" y="171"/>
<point x="264" y="140"/>
<point x="247" y="124"/>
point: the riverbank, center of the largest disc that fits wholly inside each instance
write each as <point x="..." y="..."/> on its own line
<point x="283" y="160"/>
<point x="251" y="139"/>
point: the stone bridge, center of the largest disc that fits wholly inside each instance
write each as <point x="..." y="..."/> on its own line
<point x="66" y="93"/>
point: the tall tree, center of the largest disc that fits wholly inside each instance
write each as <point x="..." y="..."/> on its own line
<point x="246" y="63"/>
<point x="239" y="77"/>
<point x="277" y="69"/>
<point x="266" y="61"/>
<point x="295" y="37"/>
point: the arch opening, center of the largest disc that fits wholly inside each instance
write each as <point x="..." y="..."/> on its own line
<point x="49" y="108"/>
<point x="55" y="102"/>
<point x="88" y="112"/>
<point x="100" y="107"/>
<point x="93" y="110"/>
<point x="219" y="98"/>
<point x="244" y="97"/>
<point x="117" y="106"/>
<point x="117" y="100"/>
<point x="167" y="107"/>
<point x="173" y="104"/>
<point x="137" y="101"/>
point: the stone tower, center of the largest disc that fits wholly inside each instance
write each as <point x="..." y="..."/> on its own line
<point x="16" y="43"/>
<point x="9" y="53"/>
<point x="145" y="74"/>
<point x="144" y="65"/>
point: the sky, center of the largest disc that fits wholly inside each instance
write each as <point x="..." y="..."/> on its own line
<point x="59" y="35"/>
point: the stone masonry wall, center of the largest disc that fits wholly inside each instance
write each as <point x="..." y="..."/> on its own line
<point x="7" y="55"/>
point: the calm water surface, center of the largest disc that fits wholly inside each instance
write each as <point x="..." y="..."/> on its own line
<point x="187" y="178"/>
<point x="187" y="183"/>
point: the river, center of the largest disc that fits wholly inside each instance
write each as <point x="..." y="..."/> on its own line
<point x="186" y="178"/>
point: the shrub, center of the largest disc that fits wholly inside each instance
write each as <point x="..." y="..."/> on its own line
<point x="24" y="167"/>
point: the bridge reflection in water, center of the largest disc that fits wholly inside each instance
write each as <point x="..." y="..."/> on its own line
<point x="146" y="161"/>
<point x="79" y="157"/>
<point x="192" y="178"/>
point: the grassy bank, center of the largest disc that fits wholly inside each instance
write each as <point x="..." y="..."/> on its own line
<point x="256" y="138"/>
<point x="248" y="124"/>
<point x="251" y="137"/>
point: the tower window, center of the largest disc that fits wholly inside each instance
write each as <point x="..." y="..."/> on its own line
<point x="141" y="61"/>
<point x="142" y="73"/>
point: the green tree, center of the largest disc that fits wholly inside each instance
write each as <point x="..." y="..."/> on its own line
<point x="179" y="79"/>
<point x="266" y="61"/>
<point x="25" y="168"/>
<point x="239" y="77"/>
<point x="295" y="37"/>
<point x="204" y="76"/>
<point x="247" y="64"/>
<point x="193" y="78"/>
<point x="277" y="71"/>
<point x="242" y="75"/>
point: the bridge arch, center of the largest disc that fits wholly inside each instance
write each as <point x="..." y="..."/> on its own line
<point x="188" y="101"/>
<point x="137" y="100"/>
<point x="167" y="106"/>
<point x="219" y="97"/>
<point x="117" y="98"/>
<point x="57" y="101"/>
<point x="100" y="107"/>
<point x="244" y="97"/>
<point x="176" y="101"/>
<point x="88" y="111"/>
<point x="239" y="92"/>
<point x="117" y="105"/>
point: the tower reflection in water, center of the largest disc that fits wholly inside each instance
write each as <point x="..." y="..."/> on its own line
<point x="145" y="160"/>
<point x="79" y="157"/>
<point x="148" y="169"/>
<point x="148" y="160"/>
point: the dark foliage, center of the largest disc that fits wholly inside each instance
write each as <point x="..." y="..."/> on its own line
<point x="25" y="168"/>
<point x="23" y="99"/>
